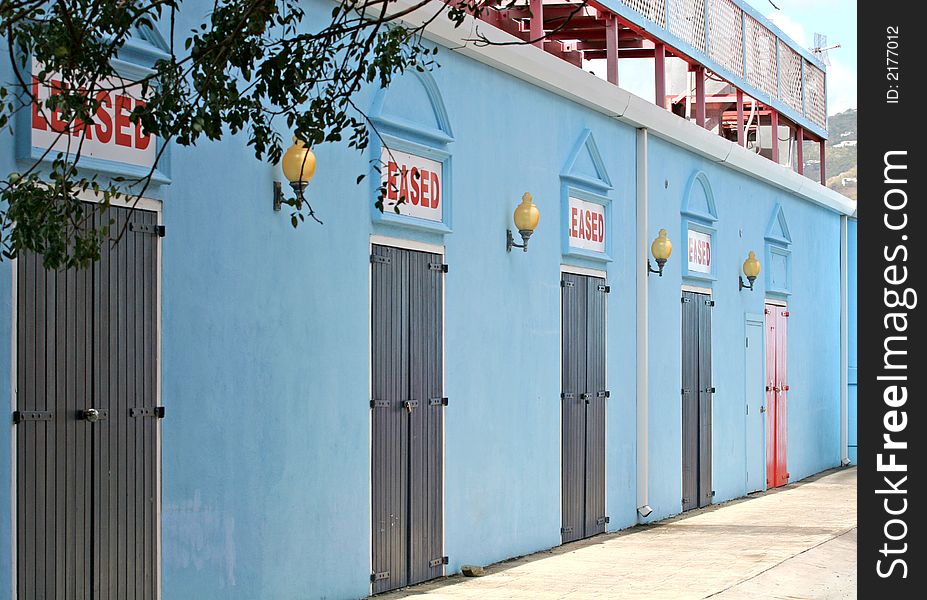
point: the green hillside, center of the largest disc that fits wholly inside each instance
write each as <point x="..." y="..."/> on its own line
<point x="840" y="151"/>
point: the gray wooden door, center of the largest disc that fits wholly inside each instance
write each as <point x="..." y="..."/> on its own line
<point x="86" y="449"/>
<point x="407" y="462"/>
<point x="583" y="406"/>
<point x="697" y="393"/>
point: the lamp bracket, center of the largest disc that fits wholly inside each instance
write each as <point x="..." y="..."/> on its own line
<point x="510" y="239"/>
<point x="278" y="196"/>
<point x="658" y="271"/>
<point x="745" y="286"/>
<point x="299" y="187"/>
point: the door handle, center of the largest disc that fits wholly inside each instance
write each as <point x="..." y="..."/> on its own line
<point x="785" y="388"/>
<point x="93" y="414"/>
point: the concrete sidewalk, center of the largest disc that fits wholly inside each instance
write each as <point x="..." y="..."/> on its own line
<point x="798" y="541"/>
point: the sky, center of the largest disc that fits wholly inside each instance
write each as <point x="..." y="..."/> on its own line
<point x="801" y="19"/>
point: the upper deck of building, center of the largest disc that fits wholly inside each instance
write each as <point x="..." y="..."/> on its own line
<point x="717" y="62"/>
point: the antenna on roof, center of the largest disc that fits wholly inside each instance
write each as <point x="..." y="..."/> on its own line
<point x="820" y="48"/>
<point x="774" y="5"/>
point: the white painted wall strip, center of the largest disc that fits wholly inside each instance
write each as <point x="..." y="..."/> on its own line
<point x="643" y="322"/>
<point x="844" y="351"/>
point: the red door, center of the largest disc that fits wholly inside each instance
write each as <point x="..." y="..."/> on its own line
<point x="776" y="396"/>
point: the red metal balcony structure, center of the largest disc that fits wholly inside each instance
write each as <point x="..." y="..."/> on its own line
<point x="742" y="77"/>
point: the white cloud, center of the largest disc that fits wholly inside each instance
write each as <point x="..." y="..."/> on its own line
<point x="841" y="87"/>
<point x="791" y="28"/>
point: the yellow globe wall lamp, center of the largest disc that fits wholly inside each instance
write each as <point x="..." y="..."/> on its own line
<point x="298" y="167"/>
<point x="661" y="248"/>
<point x="526" y="221"/>
<point x="751" y="270"/>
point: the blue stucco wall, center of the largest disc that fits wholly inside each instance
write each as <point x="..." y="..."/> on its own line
<point x="265" y="343"/>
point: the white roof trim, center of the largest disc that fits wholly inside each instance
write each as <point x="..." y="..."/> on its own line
<point x="546" y="71"/>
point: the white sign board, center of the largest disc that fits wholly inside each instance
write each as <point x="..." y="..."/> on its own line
<point x="586" y="225"/>
<point x="415" y="179"/>
<point x="699" y="252"/>
<point x="110" y="137"/>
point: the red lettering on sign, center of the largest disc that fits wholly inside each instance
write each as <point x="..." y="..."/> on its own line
<point x="391" y="189"/>
<point x="414" y="185"/>
<point x="410" y="178"/>
<point x="426" y="191"/>
<point x="57" y="125"/>
<point x="142" y="138"/>
<point x="586" y="224"/>
<point x="38" y="120"/>
<point x="123" y="105"/>
<point x="404" y="184"/>
<point x="699" y="252"/>
<point x="104" y="124"/>
<point x="435" y="190"/>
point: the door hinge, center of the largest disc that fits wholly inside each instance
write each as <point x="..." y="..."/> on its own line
<point x="31" y="415"/>
<point x="603" y="394"/>
<point x="566" y="530"/>
<point x="604" y="288"/>
<point x="379" y="403"/>
<point x="709" y="302"/>
<point x="785" y="313"/>
<point x="437" y="402"/>
<point x="685" y="391"/>
<point x="685" y="300"/>
<point x="382" y="260"/>
<point x="437" y="562"/>
<point x="763" y="408"/>
<point x="710" y="390"/>
<point x="565" y="284"/>
<point x="712" y="493"/>
<point x="154" y="411"/>
<point x="567" y="396"/>
<point x="441" y="267"/>
<point x="765" y="311"/>
<point x="601" y="520"/>
<point x="157" y="230"/>
<point x="379" y="576"/>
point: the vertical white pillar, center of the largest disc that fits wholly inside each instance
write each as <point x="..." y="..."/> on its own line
<point x="642" y="349"/>
<point x="844" y="337"/>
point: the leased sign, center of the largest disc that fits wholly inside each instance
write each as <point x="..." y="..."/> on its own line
<point x="110" y="137"/>
<point x="699" y="252"/>
<point x="415" y="179"/>
<point x="586" y="225"/>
